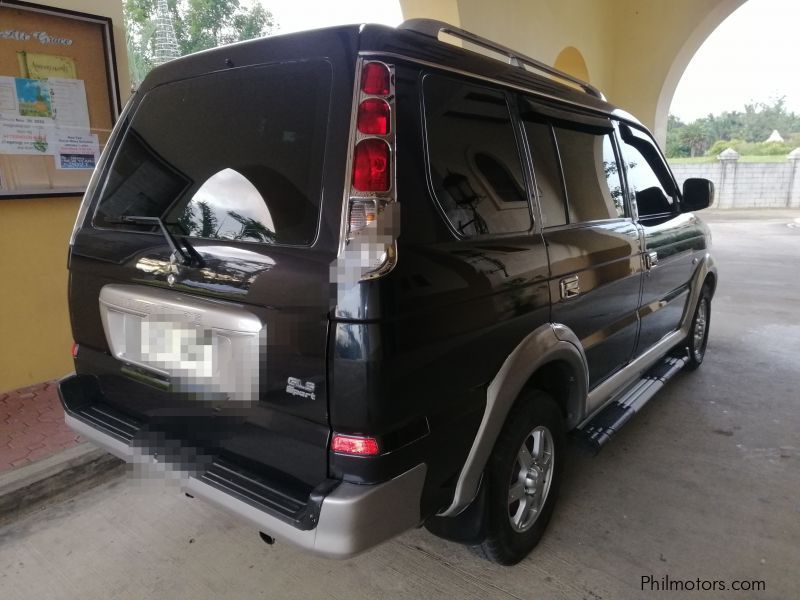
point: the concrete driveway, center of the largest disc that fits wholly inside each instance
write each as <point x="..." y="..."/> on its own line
<point x="703" y="484"/>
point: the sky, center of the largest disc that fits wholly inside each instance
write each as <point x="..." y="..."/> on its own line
<point x="753" y="56"/>
<point x="296" y="15"/>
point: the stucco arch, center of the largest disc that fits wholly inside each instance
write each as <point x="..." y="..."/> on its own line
<point x="705" y="27"/>
<point x="570" y="60"/>
<point x="635" y="51"/>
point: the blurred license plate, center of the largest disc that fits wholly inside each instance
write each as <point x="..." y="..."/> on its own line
<point x="178" y="348"/>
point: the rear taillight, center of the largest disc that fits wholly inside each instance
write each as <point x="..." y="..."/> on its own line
<point x="354" y="445"/>
<point x="371" y="166"/>
<point x="74" y="350"/>
<point x="374" y="115"/>
<point x="376" y="79"/>
<point x="371" y="218"/>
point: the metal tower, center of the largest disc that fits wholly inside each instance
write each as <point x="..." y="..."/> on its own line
<point x="166" y="41"/>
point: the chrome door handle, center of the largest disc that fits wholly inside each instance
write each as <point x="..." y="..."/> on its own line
<point x="570" y="287"/>
<point x="650" y="260"/>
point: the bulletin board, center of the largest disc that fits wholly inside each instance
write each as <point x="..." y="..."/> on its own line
<point x="59" y="98"/>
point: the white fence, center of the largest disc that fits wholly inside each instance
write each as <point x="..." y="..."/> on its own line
<point x="748" y="185"/>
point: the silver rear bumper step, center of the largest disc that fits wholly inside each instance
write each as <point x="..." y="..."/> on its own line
<point x="352" y="519"/>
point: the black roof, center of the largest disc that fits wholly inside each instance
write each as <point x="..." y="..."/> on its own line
<point x="345" y="41"/>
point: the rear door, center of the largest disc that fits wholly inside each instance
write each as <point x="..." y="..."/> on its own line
<point x="592" y="241"/>
<point x="222" y="339"/>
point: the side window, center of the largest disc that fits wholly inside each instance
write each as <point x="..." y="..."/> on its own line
<point x="549" y="190"/>
<point x="474" y="160"/>
<point x="649" y="181"/>
<point x="591" y="174"/>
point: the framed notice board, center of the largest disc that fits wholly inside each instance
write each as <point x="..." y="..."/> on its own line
<point x="59" y="98"/>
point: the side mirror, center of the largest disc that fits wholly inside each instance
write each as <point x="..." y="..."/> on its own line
<point x="697" y="194"/>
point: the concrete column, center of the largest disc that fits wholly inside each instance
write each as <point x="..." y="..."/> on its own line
<point x="793" y="197"/>
<point x="726" y="195"/>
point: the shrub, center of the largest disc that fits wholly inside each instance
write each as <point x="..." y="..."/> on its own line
<point x="752" y="148"/>
<point x="720" y="145"/>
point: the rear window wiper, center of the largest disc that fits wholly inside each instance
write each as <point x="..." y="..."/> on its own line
<point x="189" y="255"/>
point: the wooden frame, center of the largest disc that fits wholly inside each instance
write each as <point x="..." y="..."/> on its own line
<point x="58" y="100"/>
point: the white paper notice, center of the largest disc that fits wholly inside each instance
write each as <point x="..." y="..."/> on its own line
<point x="8" y="97"/>
<point x="24" y="135"/>
<point x="70" y="109"/>
<point x="47" y="117"/>
<point x="76" y="151"/>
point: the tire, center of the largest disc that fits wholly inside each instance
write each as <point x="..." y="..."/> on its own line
<point x="514" y="527"/>
<point x="697" y="340"/>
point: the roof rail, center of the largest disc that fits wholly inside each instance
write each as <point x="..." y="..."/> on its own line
<point x="432" y="28"/>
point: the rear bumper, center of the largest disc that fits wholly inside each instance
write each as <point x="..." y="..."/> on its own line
<point x="352" y="518"/>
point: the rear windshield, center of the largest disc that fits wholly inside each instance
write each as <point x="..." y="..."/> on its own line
<point x="233" y="155"/>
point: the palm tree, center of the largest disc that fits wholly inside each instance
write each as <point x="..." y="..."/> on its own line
<point x="251" y="228"/>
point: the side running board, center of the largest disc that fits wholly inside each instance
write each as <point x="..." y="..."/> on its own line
<point x="597" y="432"/>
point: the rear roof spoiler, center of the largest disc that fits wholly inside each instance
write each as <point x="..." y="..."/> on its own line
<point x="432" y="28"/>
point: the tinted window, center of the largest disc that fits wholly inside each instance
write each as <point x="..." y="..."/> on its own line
<point x="648" y="179"/>
<point x="232" y="155"/>
<point x="209" y="214"/>
<point x="474" y="160"/>
<point x="549" y="190"/>
<point x="591" y="175"/>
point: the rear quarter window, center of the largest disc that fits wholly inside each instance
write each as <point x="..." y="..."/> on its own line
<point x="233" y="155"/>
<point x="473" y="157"/>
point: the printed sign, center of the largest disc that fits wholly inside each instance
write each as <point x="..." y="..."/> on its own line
<point x="33" y="98"/>
<point x="59" y="97"/>
<point x="27" y="136"/>
<point x="42" y="36"/>
<point x="43" y="66"/>
<point x="76" y="151"/>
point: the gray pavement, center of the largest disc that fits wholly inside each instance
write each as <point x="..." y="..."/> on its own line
<point x="703" y="483"/>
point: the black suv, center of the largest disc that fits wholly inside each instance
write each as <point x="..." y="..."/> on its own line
<point x="350" y="281"/>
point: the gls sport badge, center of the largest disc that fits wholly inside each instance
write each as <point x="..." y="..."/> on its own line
<point x="304" y="389"/>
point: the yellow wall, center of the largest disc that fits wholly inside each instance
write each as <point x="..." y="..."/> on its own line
<point x="543" y="28"/>
<point x="34" y="236"/>
<point x="635" y="51"/>
<point x="570" y="60"/>
<point x="441" y="10"/>
<point x="654" y="43"/>
<point x="34" y="322"/>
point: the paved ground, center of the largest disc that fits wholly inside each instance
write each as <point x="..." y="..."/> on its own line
<point x="32" y="426"/>
<point x="704" y="483"/>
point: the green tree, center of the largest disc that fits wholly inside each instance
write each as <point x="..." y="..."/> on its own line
<point x="745" y="131"/>
<point x="199" y="25"/>
<point x="761" y="119"/>
<point x="209" y="227"/>
<point x="675" y="147"/>
<point x="252" y="228"/>
<point x="694" y="137"/>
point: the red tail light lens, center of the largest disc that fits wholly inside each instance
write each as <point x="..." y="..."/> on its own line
<point x="74" y="350"/>
<point x="375" y="79"/>
<point x="359" y="446"/>
<point x="373" y="116"/>
<point x="371" y="166"/>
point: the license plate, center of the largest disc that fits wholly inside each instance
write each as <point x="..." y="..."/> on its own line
<point x="180" y="349"/>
